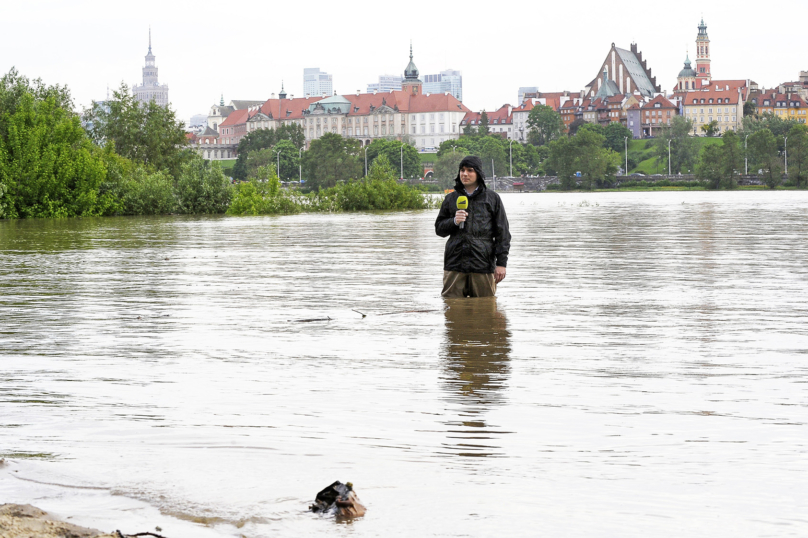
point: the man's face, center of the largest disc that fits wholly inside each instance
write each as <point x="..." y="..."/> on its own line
<point x="468" y="176"/>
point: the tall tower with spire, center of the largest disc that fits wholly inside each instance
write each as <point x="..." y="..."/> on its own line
<point x="703" y="55"/>
<point x="411" y="83"/>
<point x="151" y="89"/>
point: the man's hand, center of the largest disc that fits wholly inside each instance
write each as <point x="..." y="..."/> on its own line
<point x="499" y="274"/>
<point x="460" y="216"/>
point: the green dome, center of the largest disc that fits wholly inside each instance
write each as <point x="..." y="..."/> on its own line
<point x="687" y="71"/>
<point x="411" y="72"/>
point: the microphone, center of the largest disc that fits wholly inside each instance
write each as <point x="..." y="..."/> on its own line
<point x="462" y="203"/>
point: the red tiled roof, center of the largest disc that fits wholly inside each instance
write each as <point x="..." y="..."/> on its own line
<point x="236" y="117"/>
<point x="663" y="102"/>
<point x="287" y="108"/>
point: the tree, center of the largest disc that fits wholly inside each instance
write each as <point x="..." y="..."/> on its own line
<point x="616" y="135"/>
<point x="492" y="152"/>
<point x="595" y="163"/>
<point x="709" y="167"/>
<point x="331" y="158"/>
<point x="594" y="128"/>
<point x="267" y="138"/>
<point x="749" y="109"/>
<point x="48" y="166"/>
<point x="732" y="160"/>
<point x="798" y="154"/>
<point x="413" y="168"/>
<point x="545" y="125"/>
<point x="719" y="164"/>
<point x="763" y="148"/>
<point x="146" y="133"/>
<point x="446" y="167"/>
<point x="575" y="125"/>
<point x="776" y="124"/>
<point x="469" y="130"/>
<point x="289" y="159"/>
<point x="483" y="129"/>
<point x="710" y="129"/>
<point x="382" y="170"/>
<point x="682" y="149"/>
<point x="562" y="161"/>
<point x="202" y="188"/>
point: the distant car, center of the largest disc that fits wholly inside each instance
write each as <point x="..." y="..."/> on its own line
<point x="657" y="175"/>
<point x="637" y="174"/>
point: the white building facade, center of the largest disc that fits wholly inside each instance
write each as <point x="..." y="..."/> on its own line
<point x="316" y="82"/>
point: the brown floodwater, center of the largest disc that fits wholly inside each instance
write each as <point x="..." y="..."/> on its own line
<point x="642" y="371"/>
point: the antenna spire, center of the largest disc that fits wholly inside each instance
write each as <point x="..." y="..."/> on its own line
<point x="150" y="39"/>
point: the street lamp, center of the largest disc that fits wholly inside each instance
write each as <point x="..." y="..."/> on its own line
<point x="786" y="149"/>
<point x="669" y="157"/>
<point x="366" y="161"/>
<point x="511" y="156"/>
<point x="279" y="162"/>
<point x="402" y="161"/>
<point x="494" y="173"/>
<point x="300" y="164"/>
<point x="625" y="141"/>
<point x="745" y="157"/>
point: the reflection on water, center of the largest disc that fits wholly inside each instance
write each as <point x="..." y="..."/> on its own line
<point x="476" y="365"/>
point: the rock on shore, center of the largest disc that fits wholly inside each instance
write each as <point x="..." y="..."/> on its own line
<point x="26" y="521"/>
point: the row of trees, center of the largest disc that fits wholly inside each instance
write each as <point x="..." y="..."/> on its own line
<point x="130" y="160"/>
<point x="329" y="159"/>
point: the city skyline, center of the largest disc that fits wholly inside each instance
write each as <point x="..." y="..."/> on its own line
<point x="199" y="71"/>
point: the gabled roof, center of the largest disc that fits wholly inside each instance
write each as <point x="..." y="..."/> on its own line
<point x="662" y="100"/>
<point x="636" y="71"/>
<point x="727" y="97"/>
<point x="236" y="117"/>
<point x="288" y="109"/>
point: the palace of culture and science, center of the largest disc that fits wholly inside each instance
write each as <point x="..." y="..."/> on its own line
<point x="151" y="89"/>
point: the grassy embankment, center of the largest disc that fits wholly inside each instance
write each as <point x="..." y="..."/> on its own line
<point x="642" y="151"/>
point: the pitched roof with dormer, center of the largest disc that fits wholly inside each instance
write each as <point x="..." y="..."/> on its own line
<point x="661" y="100"/>
<point x="711" y="97"/>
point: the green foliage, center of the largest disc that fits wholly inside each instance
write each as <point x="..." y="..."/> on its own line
<point x="545" y="125"/>
<point x="749" y="109"/>
<point x="202" y="188"/>
<point x="616" y="134"/>
<point x="332" y="158"/>
<point x="527" y="159"/>
<point x="269" y="138"/>
<point x="575" y="125"/>
<point x="710" y="129"/>
<point x="596" y="128"/>
<point x="798" y="154"/>
<point x="682" y="148"/>
<point x="494" y="156"/>
<point x="763" y="150"/>
<point x="778" y="126"/>
<point x="147" y="193"/>
<point x="263" y="195"/>
<point x="483" y="129"/>
<point x="48" y="167"/>
<point x="446" y="167"/>
<point x="373" y="194"/>
<point x="148" y="133"/>
<point x="719" y="164"/>
<point x="392" y="150"/>
<point x="583" y="153"/>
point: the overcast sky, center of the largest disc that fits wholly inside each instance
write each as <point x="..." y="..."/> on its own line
<point x="244" y="48"/>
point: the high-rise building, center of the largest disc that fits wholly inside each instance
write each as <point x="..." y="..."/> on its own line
<point x="151" y="89"/>
<point x="449" y="80"/>
<point x="387" y="83"/>
<point x="316" y="82"/>
<point x="526" y="89"/>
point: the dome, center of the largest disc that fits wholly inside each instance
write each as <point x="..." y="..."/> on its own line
<point x="411" y="72"/>
<point x="687" y="72"/>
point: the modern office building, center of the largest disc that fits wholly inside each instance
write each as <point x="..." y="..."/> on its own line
<point x="526" y="89"/>
<point x="449" y="80"/>
<point x="387" y="83"/>
<point x="316" y="82"/>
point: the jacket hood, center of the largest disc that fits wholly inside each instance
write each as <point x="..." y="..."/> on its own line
<point x="474" y="162"/>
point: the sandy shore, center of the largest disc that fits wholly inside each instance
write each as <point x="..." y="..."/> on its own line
<point x="26" y="521"/>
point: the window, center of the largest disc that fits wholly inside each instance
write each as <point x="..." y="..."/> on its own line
<point x="413" y="129"/>
<point x="431" y="116"/>
<point x="710" y="111"/>
<point x="733" y="109"/>
<point x="441" y="127"/>
<point x="423" y="129"/>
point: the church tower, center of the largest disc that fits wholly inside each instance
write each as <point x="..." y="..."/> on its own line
<point x="703" y="55"/>
<point x="686" y="81"/>
<point x="411" y="84"/>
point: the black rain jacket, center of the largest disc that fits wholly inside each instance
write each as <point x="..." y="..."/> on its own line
<point x="485" y="240"/>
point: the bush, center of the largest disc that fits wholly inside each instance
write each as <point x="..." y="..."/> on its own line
<point x="202" y="188"/>
<point x="144" y="193"/>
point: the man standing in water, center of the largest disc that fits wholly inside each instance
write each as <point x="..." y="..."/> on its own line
<point x="477" y="250"/>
